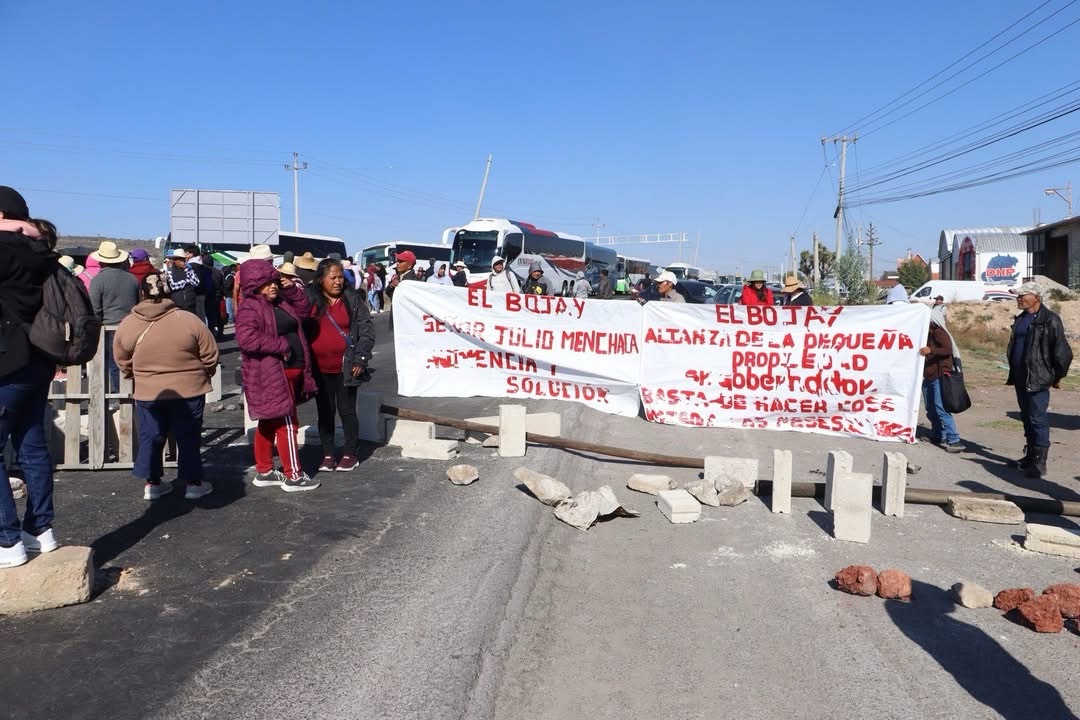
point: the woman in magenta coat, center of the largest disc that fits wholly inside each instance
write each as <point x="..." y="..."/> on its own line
<point x="276" y="364"/>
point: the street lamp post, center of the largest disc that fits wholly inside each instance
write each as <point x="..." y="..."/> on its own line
<point x="1067" y="198"/>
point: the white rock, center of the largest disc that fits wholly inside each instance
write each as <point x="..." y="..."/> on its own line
<point x="463" y="474"/>
<point x="650" y="484"/>
<point x="545" y="488"/>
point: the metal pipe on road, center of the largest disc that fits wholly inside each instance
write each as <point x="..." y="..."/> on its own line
<point x="913" y="495"/>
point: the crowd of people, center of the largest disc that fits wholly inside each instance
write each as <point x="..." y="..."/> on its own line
<point x="305" y="331"/>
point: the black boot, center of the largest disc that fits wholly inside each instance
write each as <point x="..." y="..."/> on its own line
<point x="1038" y="463"/>
<point x="1024" y="462"/>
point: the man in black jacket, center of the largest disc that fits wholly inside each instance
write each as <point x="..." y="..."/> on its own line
<point x="25" y="374"/>
<point x="1039" y="357"/>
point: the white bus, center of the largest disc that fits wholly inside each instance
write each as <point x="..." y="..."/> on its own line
<point x="628" y="272"/>
<point x="383" y="253"/>
<point x="562" y="256"/>
<point x="683" y="271"/>
<point x="321" y="246"/>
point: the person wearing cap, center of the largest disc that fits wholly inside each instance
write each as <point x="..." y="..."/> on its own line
<point x="25" y="264"/>
<point x="582" y="288"/>
<point x="1039" y="357"/>
<point x="405" y="269"/>
<point x="755" y="291"/>
<point x="112" y="293"/>
<point x="460" y="277"/>
<point x="665" y="285"/>
<point x="140" y="264"/>
<point x="182" y="281"/>
<point x="440" y="277"/>
<point x="502" y="279"/>
<point x="536" y="283"/>
<point x="795" y="293"/>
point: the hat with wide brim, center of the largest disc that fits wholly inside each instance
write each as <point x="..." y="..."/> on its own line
<point x="757" y="276"/>
<point x="287" y="269"/>
<point x="178" y="254"/>
<point x="260" y="252"/>
<point x="109" y="253"/>
<point x="791" y="283"/>
<point x="459" y="264"/>
<point x="306" y="261"/>
<point x="69" y="264"/>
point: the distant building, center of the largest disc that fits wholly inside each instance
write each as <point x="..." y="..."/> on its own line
<point x="1054" y="250"/>
<point x="997" y="255"/>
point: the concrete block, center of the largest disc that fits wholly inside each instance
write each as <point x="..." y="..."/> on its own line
<point x="541" y="423"/>
<point x="853" y="495"/>
<point x="408" y="432"/>
<point x="893" y="483"/>
<point x="838" y="463"/>
<point x="431" y="450"/>
<point x="650" y="484"/>
<point x="512" y="425"/>
<point x="369" y="413"/>
<point x="1052" y="540"/>
<point x="743" y="470"/>
<point x="678" y="506"/>
<point x="49" y="580"/>
<point x="781" y="481"/>
<point x="215" y="387"/>
<point x="984" y="510"/>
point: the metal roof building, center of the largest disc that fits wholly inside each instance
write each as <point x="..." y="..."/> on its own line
<point x="992" y="254"/>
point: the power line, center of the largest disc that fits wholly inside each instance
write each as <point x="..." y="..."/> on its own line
<point x="858" y="123"/>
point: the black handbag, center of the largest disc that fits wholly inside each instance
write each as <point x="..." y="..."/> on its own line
<point x="954" y="396"/>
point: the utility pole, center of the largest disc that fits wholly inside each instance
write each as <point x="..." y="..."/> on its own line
<point x="296" y="167"/>
<point x="871" y="242"/>
<point x="839" y="214"/>
<point x="794" y="264"/>
<point x="483" y="187"/>
<point x="599" y="226"/>
<point x="1067" y="198"/>
<point x="816" y="272"/>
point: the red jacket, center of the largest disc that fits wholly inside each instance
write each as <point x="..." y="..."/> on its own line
<point x="141" y="268"/>
<point x="750" y="296"/>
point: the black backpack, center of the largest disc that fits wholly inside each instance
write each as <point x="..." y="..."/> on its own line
<point x="65" y="329"/>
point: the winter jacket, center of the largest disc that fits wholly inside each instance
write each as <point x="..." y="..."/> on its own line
<point x="750" y="296"/>
<point x="360" y="329"/>
<point x="410" y="274"/>
<point x="183" y="283"/>
<point x="460" y="279"/>
<point x="24" y="265"/>
<point x="582" y="288"/>
<point x="141" y="268"/>
<point x="113" y="293"/>
<point x="800" y="297"/>
<point x="176" y="357"/>
<point x="940" y="359"/>
<point x="1047" y="355"/>
<point x="262" y="351"/>
<point x="540" y="286"/>
<point x="93" y="267"/>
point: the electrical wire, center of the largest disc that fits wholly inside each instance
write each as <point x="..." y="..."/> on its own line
<point x="858" y="123"/>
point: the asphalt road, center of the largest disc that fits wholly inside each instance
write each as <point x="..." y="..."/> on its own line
<point x="390" y="593"/>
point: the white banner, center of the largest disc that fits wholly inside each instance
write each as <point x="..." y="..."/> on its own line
<point x="838" y="370"/>
<point x="464" y="342"/>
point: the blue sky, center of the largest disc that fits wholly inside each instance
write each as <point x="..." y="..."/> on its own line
<point x="653" y="117"/>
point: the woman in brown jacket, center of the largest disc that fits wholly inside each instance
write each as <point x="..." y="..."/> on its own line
<point x="172" y="356"/>
<point x="939" y="351"/>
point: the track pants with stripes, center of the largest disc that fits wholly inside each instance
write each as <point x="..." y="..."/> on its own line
<point x="282" y="431"/>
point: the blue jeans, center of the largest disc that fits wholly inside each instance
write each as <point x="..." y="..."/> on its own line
<point x="23" y="396"/>
<point x="1033" y="413"/>
<point x="373" y="300"/>
<point x="183" y="417"/>
<point x="229" y="309"/>
<point x="942" y="425"/>
<point x="111" y="368"/>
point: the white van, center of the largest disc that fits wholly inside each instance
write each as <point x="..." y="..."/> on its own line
<point x="951" y="290"/>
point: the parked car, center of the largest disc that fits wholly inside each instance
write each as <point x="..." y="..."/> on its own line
<point x="727" y="295"/>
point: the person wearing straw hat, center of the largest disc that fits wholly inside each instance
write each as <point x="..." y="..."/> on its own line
<point x="755" y="291"/>
<point x="69" y="264"/>
<point x="306" y="267"/>
<point x="795" y="292"/>
<point x="113" y="292"/>
<point x="460" y="278"/>
<point x="288" y="270"/>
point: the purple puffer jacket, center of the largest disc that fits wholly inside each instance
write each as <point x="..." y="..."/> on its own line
<point x="262" y="350"/>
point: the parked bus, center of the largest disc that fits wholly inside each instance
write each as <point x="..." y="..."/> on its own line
<point x="629" y="271"/>
<point x="562" y="256"/>
<point x="321" y="246"/>
<point x="683" y="271"/>
<point x="384" y="253"/>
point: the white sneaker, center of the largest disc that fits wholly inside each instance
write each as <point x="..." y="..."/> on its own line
<point x="155" y="491"/>
<point x="42" y="543"/>
<point x="13" y="556"/>
<point x="194" y="492"/>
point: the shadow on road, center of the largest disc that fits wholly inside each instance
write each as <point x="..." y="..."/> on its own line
<point x="995" y="464"/>
<point x="978" y="663"/>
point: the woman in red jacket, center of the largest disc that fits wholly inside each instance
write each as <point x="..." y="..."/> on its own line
<point x="755" y="291"/>
<point x="276" y="363"/>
